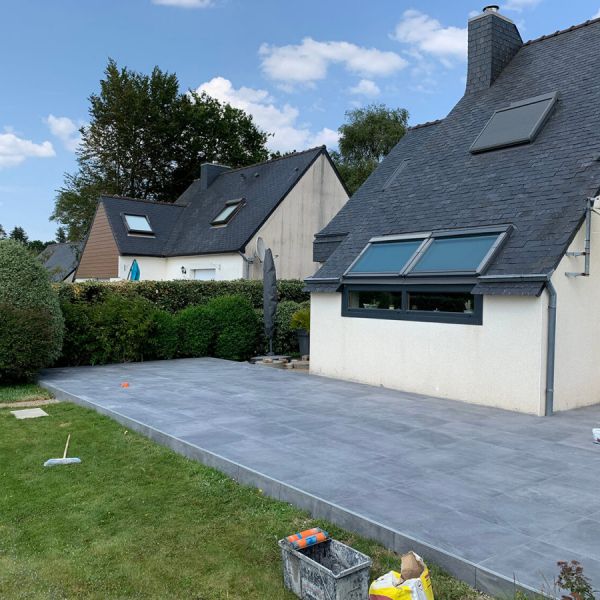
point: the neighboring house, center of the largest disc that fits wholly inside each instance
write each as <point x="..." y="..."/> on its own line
<point x="61" y="260"/>
<point x="461" y="268"/>
<point x="219" y="225"/>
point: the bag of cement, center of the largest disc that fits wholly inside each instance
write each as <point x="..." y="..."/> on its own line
<point x="412" y="583"/>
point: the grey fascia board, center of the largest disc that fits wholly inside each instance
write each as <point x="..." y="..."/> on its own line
<point x="553" y="97"/>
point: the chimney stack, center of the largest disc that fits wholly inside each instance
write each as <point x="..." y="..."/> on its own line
<point x="493" y="41"/>
<point x="209" y="172"/>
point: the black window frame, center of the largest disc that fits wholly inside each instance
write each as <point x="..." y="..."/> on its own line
<point x="133" y="231"/>
<point x="404" y="314"/>
<point x="238" y="202"/>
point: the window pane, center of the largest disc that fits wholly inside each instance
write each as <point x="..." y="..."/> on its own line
<point x="224" y="215"/>
<point x="386" y="257"/>
<point x="455" y="254"/>
<point x="138" y="223"/>
<point x="450" y="302"/>
<point x="375" y="300"/>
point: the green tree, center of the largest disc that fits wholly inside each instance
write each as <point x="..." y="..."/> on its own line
<point x="61" y="235"/>
<point x="365" y="139"/>
<point x="18" y="235"/>
<point x="146" y="139"/>
<point x="2" y="233"/>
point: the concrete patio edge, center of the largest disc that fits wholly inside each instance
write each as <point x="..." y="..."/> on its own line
<point x="485" y="580"/>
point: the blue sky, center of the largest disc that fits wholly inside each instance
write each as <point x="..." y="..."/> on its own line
<point x="296" y="66"/>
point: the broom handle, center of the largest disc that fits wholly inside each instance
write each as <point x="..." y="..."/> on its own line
<point x="67" y="446"/>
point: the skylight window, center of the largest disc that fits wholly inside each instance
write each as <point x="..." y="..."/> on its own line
<point x="231" y="207"/>
<point x="455" y="254"/>
<point x="519" y="123"/>
<point x="138" y="224"/>
<point x="465" y="252"/>
<point x="385" y="257"/>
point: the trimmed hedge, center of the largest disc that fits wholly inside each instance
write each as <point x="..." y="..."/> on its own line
<point x="196" y="331"/>
<point x="174" y="296"/>
<point x="31" y="323"/>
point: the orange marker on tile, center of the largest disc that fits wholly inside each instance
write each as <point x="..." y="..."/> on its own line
<point x="125" y="384"/>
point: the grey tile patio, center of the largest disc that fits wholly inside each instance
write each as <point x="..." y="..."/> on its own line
<point x="478" y="490"/>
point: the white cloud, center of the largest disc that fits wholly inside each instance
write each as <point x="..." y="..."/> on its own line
<point x="428" y="36"/>
<point x="520" y="5"/>
<point x="280" y="120"/>
<point x="185" y="3"/>
<point x="14" y="149"/>
<point x="366" y="87"/>
<point x="597" y="15"/>
<point x="309" y="61"/>
<point x="65" y="130"/>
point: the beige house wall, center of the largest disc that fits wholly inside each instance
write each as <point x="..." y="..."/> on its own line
<point x="290" y="230"/>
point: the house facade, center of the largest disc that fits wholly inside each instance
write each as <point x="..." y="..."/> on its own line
<point x="467" y="265"/>
<point x="218" y="228"/>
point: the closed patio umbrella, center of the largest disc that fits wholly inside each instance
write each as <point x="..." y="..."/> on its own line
<point x="269" y="297"/>
<point x="134" y="271"/>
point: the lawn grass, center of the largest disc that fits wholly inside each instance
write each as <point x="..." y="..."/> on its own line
<point x="22" y="393"/>
<point x="136" y="520"/>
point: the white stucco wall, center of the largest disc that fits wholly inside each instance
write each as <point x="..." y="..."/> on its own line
<point x="577" y="370"/>
<point x="500" y="363"/>
<point x="291" y="229"/>
<point x="226" y="266"/>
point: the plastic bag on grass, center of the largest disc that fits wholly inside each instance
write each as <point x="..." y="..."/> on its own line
<point x="412" y="583"/>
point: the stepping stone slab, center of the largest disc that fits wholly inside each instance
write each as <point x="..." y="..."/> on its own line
<point x="29" y="413"/>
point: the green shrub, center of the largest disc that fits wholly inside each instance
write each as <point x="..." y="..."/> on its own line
<point x="196" y="331"/>
<point x="301" y="319"/>
<point x="174" y="296"/>
<point x="80" y="343"/>
<point x="286" y="340"/>
<point x="122" y="329"/>
<point x="165" y="338"/>
<point x="237" y="327"/>
<point x="30" y="318"/>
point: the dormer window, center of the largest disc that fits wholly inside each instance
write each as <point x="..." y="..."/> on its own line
<point x="231" y="207"/>
<point x="138" y="224"/>
<point x="516" y="124"/>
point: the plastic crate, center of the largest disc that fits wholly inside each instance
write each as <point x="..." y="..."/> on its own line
<point x="326" y="571"/>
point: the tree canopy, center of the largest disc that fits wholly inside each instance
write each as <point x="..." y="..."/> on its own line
<point x="366" y="137"/>
<point x="146" y="139"/>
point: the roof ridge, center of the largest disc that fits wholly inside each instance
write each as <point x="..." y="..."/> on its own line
<point x="117" y="197"/>
<point x="426" y="124"/>
<point x="272" y="160"/>
<point x="561" y="31"/>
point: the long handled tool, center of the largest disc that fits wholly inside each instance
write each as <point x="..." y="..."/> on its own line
<point x="53" y="462"/>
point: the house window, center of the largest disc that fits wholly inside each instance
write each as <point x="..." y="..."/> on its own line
<point x="385" y="257"/>
<point x="518" y="123"/>
<point x="231" y="207"/>
<point x="434" y="303"/>
<point x="138" y="224"/>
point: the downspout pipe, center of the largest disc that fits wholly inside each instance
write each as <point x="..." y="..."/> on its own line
<point x="551" y="332"/>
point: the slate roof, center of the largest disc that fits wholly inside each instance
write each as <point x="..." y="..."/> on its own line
<point x="61" y="259"/>
<point x="184" y="227"/>
<point x="539" y="188"/>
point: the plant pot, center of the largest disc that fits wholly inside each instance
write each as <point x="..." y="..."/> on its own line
<point x="303" y="342"/>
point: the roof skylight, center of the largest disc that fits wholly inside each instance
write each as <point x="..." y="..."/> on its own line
<point x="138" y="224"/>
<point x="231" y="206"/>
<point x="519" y="123"/>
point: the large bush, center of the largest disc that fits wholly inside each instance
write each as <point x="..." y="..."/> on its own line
<point x="31" y="323"/>
<point x="196" y="331"/>
<point x="237" y="327"/>
<point x="174" y="296"/>
<point x="286" y="338"/>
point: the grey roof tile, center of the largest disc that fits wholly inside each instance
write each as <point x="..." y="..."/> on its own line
<point x="61" y="259"/>
<point x="540" y="188"/>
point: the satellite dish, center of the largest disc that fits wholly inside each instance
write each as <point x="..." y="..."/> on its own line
<point x="260" y="249"/>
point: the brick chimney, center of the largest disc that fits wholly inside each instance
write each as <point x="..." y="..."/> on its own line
<point x="493" y="41"/>
<point x="209" y="172"/>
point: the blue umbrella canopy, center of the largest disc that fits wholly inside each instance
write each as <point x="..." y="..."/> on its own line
<point x="134" y="271"/>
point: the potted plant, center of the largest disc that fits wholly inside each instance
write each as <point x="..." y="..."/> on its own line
<point x="301" y="323"/>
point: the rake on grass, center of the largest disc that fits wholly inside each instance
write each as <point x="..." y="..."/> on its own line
<point x="53" y="462"/>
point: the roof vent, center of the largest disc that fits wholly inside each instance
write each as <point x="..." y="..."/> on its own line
<point x="492" y="8"/>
